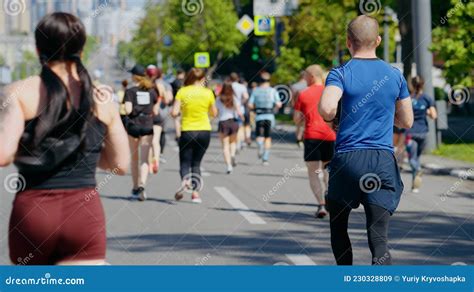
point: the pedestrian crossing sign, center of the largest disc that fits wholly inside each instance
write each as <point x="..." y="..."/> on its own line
<point x="202" y="60"/>
<point x="264" y="25"/>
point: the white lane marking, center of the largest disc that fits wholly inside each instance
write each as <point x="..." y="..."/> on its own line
<point x="204" y="173"/>
<point x="301" y="259"/>
<point x="250" y="216"/>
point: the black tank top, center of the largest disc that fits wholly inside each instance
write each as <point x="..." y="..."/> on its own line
<point x="77" y="170"/>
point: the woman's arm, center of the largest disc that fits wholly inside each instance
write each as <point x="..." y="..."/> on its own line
<point x="11" y="124"/>
<point x="432" y="113"/>
<point x="238" y="110"/>
<point x="115" y="155"/>
<point x="176" y="108"/>
<point x="213" y="111"/>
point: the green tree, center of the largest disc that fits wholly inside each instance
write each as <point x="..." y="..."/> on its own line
<point x="452" y="42"/>
<point x="289" y="65"/>
<point x="29" y="66"/>
<point x="209" y="28"/>
<point x="318" y="29"/>
<point x="90" y="47"/>
<point x="2" y="61"/>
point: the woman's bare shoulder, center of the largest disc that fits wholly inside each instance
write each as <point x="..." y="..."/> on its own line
<point x="24" y="86"/>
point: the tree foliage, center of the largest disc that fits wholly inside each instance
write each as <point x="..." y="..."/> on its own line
<point x="318" y="30"/>
<point x="452" y="42"/>
<point x="210" y="28"/>
<point x="289" y="64"/>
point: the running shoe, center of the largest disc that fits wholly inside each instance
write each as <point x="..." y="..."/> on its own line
<point x="182" y="190"/>
<point x="417" y="180"/>
<point x="195" y="198"/>
<point x="265" y="163"/>
<point x="322" y="212"/>
<point x="300" y="144"/>
<point x="135" y="193"/>
<point x="234" y="162"/>
<point x="142" y="194"/>
<point x="415" y="190"/>
<point x="163" y="160"/>
<point x="229" y="169"/>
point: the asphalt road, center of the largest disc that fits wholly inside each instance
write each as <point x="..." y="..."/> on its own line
<point x="263" y="215"/>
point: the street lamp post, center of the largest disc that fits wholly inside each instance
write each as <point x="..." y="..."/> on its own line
<point x="386" y="36"/>
<point x="421" y="17"/>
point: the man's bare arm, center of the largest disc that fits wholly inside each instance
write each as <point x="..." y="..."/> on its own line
<point x="328" y="103"/>
<point x="404" y="113"/>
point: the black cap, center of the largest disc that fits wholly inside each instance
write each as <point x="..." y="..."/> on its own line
<point x="138" y="70"/>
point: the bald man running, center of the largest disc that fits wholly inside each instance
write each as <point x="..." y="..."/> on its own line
<point x="374" y="96"/>
<point x="318" y="136"/>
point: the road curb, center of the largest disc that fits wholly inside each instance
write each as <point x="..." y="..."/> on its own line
<point x="462" y="173"/>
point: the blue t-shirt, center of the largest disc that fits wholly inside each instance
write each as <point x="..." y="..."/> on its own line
<point x="264" y="98"/>
<point x="371" y="88"/>
<point x="420" y="105"/>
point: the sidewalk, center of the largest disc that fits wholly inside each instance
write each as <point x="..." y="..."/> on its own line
<point x="431" y="163"/>
<point x="445" y="166"/>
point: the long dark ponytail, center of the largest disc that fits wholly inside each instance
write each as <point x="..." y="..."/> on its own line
<point x="61" y="37"/>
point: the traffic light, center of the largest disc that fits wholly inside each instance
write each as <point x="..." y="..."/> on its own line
<point x="255" y="53"/>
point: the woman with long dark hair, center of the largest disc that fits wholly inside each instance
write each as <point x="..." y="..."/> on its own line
<point x="195" y="102"/>
<point x="58" y="129"/>
<point x="229" y="109"/>
<point x="141" y="106"/>
<point x="423" y="107"/>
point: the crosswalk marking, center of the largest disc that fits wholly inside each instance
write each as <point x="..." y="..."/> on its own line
<point x="300" y="259"/>
<point x="250" y="216"/>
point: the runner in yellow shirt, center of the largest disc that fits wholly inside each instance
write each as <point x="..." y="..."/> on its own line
<point x="196" y="103"/>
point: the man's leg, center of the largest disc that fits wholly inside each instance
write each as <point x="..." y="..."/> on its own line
<point x="340" y="241"/>
<point x="268" y="140"/>
<point x="259" y="132"/>
<point x="377" y="233"/>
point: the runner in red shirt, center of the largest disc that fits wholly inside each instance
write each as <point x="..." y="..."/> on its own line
<point x="318" y="136"/>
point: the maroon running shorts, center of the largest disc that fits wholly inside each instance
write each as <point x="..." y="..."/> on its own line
<point x="50" y="226"/>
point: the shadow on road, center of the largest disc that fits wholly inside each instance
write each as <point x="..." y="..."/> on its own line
<point x="431" y="239"/>
<point x="130" y="199"/>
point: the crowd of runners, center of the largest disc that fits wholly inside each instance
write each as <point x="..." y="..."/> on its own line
<point x="67" y="127"/>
